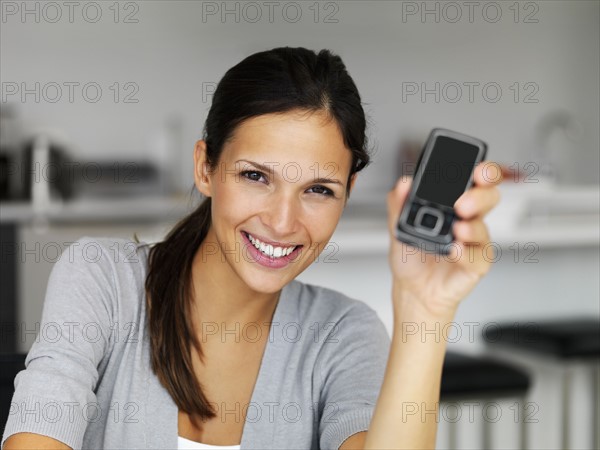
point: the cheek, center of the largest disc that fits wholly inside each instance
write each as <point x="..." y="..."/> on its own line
<point x="233" y="203"/>
<point x="322" y="221"/>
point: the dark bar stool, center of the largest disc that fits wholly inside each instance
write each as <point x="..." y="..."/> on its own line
<point x="476" y="377"/>
<point x="10" y="366"/>
<point x="566" y="340"/>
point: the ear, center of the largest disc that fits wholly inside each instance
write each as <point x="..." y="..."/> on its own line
<point x="351" y="186"/>
<point x="352" y="181"/>
<point x="201" y="176"/>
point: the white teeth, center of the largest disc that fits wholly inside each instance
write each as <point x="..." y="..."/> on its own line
<point x="269" y="250"/>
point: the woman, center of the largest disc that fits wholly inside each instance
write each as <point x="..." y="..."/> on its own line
<point x="207" y="338"/>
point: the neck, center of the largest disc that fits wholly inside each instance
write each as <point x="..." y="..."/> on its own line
<point x="223" y="304"/>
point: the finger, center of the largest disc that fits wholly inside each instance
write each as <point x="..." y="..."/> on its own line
<point x="474" y="259"/>
<point x="472" y="232"/>
<point x="477" y="201"/>
<point x="396" y="199"/>
<point x="488" y="173"/>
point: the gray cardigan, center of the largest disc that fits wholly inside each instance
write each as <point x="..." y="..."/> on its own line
<point x="88" y="381"/>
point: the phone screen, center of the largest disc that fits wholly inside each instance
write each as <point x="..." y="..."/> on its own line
<point x="447" y="172"/>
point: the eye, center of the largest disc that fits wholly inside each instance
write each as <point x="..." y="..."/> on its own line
<point x="252" y="175"/>
<point x="323" y="191"/>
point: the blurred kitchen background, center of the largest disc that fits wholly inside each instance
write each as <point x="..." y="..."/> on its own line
<point x="102" y="104"/>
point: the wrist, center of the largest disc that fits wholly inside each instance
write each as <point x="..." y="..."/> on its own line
<point x="411" y="306"/>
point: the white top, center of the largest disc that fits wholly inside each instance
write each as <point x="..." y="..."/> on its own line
<point x="183" y="443"/>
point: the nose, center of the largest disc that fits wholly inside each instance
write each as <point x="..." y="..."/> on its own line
<point x="281" y="215"/>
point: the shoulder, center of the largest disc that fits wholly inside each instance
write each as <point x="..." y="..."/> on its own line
<point x="109" y="273"/>
<point x="318" y="303"/>
<point x="107" y="257"/>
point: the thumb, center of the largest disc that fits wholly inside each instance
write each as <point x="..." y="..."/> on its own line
<point x="395" y="200"/>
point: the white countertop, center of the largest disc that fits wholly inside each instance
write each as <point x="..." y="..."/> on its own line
<point x="528" y="217"/>
<point x="564" y="217"/>
<point x="126" y="209"/>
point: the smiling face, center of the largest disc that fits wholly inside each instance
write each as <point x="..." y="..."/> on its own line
<point x="280" y="185"/>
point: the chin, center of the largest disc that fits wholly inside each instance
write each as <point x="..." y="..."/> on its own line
<point x="267" y="281"/>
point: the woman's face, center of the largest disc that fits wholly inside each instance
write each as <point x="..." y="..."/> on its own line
<point x="280" y="185"/>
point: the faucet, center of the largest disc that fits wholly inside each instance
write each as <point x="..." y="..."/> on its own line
<point x="545" y="128"/>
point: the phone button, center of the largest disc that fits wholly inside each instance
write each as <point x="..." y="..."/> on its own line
<point x="429" y="220"/>
<point x="448" y="220"/>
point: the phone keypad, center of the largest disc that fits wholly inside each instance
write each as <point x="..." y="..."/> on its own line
<point x="428" y="220"/>
<point x="448" y="218"/>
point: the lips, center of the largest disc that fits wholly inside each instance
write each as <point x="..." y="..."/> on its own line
<point x="266" y="260"/>
<point x="271" y="248"/>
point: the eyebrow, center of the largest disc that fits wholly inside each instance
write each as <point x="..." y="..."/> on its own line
<point x="270" y="169"/>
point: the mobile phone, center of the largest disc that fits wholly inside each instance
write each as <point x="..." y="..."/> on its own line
<point x="443" y="173"/>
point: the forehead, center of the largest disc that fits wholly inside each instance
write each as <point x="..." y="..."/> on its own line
<point x="298" y="136"/>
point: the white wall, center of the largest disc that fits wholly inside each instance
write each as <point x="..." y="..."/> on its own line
<point x="171" y="52"/>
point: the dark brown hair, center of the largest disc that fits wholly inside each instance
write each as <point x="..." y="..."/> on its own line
<point x="275" y="81"/>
